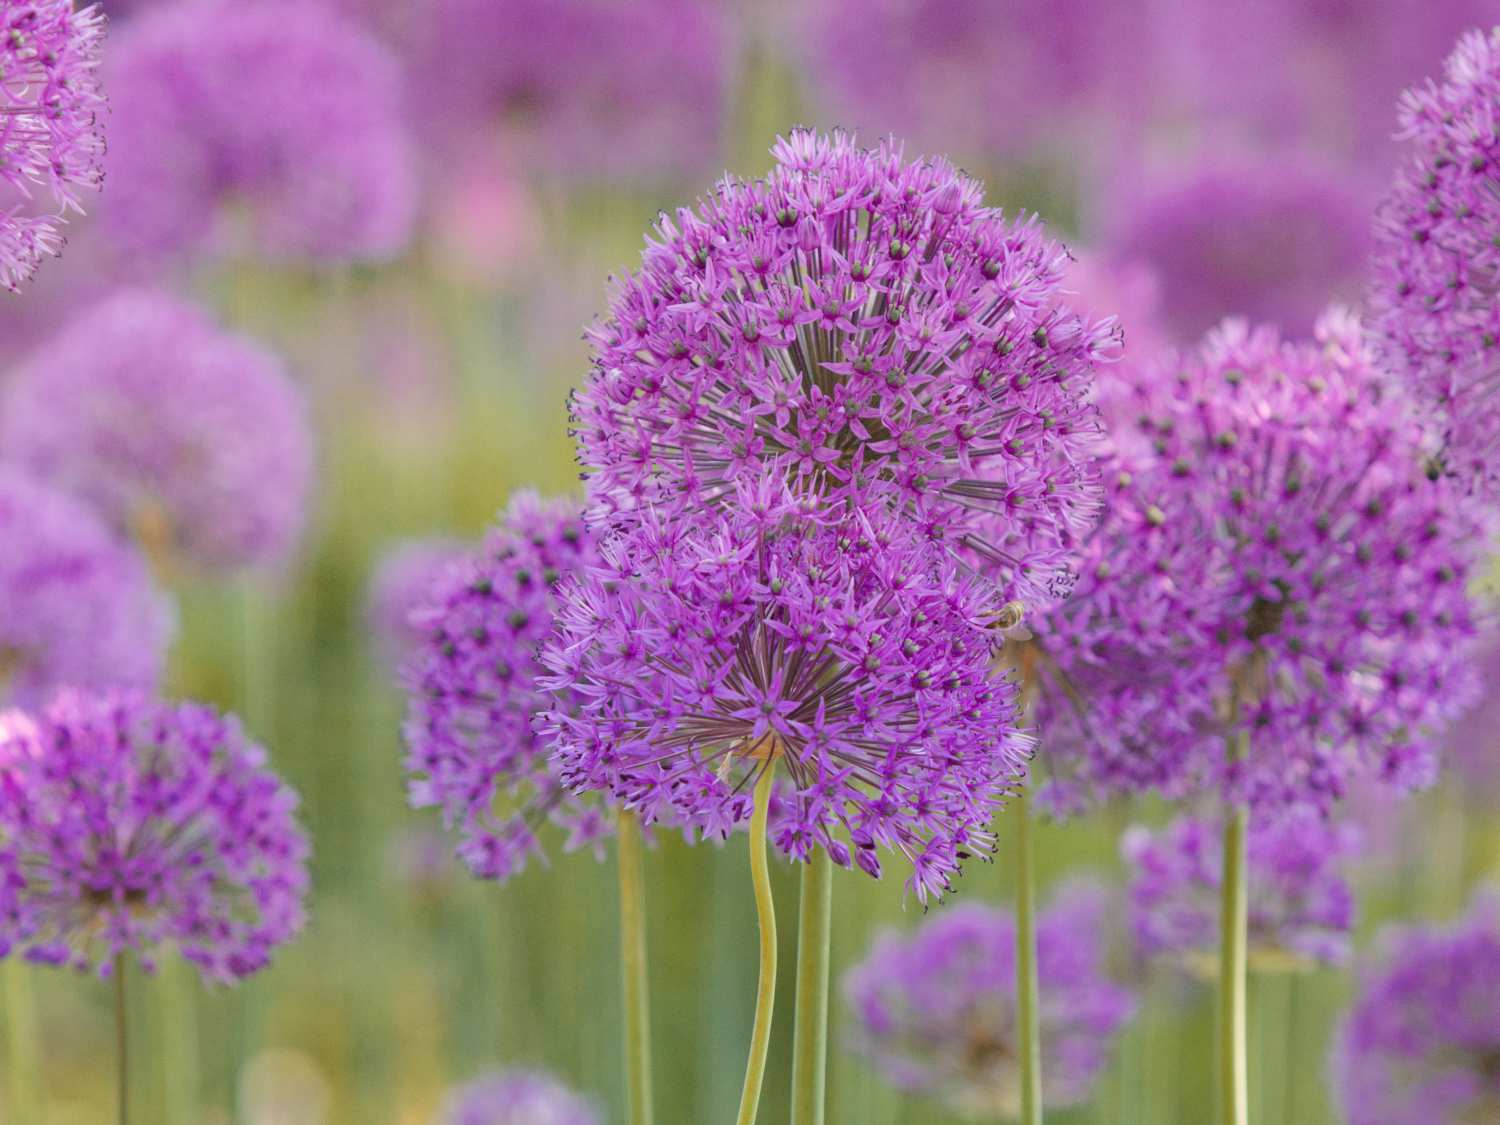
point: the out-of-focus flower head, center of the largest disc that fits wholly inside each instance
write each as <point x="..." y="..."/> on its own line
<point x="935" y="1010"/>
<point x="1421" y="1043"/>
<point x="127" y="825"/>
<point x="273" y="129"/>
<point x="194" y="439"/>
<point x="76" y="605"/>
<point x="472" y="686"/>
<point x="51" y="136"/>
<point x="404" y="579"/>
<point x="862" y="327"/>
<point x="518" y="1097"/>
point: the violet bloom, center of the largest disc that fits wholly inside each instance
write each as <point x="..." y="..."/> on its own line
<point x="76" y="605"/>
<point x="128" y="825"/>
<point x="1301" y="907"/>
<point x="403" y="579"/>
<point x="473" y="689"/>
<point x="1471" y="744"/>
<point x="1276" y="565"/>
<point x="935" y="1009"/>
<point x="840" y="650"/>
<point x="305" y="145"/>
<point x="1439" y="252"/>
<point x="51" y="142"/>
<point x="518" y="1097"/>
<point x="863" y="328"/>
<point x="195" y="439"/>
<point x="1421" y="1045"/>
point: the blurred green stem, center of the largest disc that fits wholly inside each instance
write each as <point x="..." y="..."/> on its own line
<point x="22" y="1038"/>
<point x="1027" y="993"/>
<point x="633" y="968"/>
<point x="765" y="906"/>
<point x="1234" y="1090"/>
<point x="122" y="1043"/>
<point x="179" y="1023"/>
<point x="810" y="1038"/>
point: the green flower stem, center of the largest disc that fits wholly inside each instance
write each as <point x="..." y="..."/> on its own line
<point x="1027" y="992"/>
<point x="810" y="1039"/>
<point x="122" y="1043"/>
<point x="22" y="1037"/>
<point x="633" y="968"/>
<point x="765" y="906"/>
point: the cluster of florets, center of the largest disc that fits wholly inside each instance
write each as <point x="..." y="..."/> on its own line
<point x="1439" y="253"/>
<point x="518" y="1097"/>
<point x="1277" y="565"/>
<point x="403" y="580"/>
<point x="865" y="329"/>
<point x="1301" y="908"/>
<point x="79" y="605"/>
<point x="128" y="825"/>
<point x="1422" y="1042"/>
<point x="473" y="689"/>
<point x="308" y="140"/>
<point x="50" y="136"/>
<point x="195" y="440"/>
<point x="936" y="1009"/>
<point x="840" y="649"/>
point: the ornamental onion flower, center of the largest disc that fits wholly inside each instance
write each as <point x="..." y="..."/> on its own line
<point x="51" y="139"/>
<point x="935" y="1010"/>
<point x="518" y="1097"/>
<point x="836" y="648"/>
<point x="1438" y="235"/>
<point x="405" y="575"/>
<point x="1421" y="1045"/>
<point x="195" y="439"/>
<point x="473" y="686"/>
<point x="864" y="328"/>
<point x="1301" y="908"/>
<point x="76" y="605"/>
<point x="1278" y="565"/>
<point x="306" y="147"/>
<point x="128" y="825"/>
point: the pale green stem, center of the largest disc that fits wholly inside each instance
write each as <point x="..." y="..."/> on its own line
<point x="810" y="1038"/>
<point x="1234" y="1089"/>
<point x="122" y="1044"/>
<point x="633" y="968"/>
<point x="177" y="990"/>
<point x="23" y="1041"/>
<point x="1028" y="1002"/>
<point x="765" y="906"/>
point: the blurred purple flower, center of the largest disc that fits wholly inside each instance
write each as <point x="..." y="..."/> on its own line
<point x="1472" y="743"/>
<point x="281" y="116"/>
<point x="518" y="1097"/>
<point x="843" y="651"/>
<point x="404" y="578"/>
<point x="1301" y="907"/>
<point x="76" y="605"/>
<point x="860" y="326"/>
<point x="1421" y="1045"/>
<point x="127" y="825"/>
<point x="472" y="685"/>
<point x="935" y="1010"/>
<point x="196" y="440"/>
<point x="51" y="140"/>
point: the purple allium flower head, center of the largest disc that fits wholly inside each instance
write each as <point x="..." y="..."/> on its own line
<point x="128" y="825"/>
<point x="1471" y="744"/>
<point x="196" y="439"/>
<point x="936" y="1009"/>
<point x="51" y="142"/>
<point x="1276" y="562"/>
<point x="306" y="145"/>
<point x="405" y="576"/>
<point x="76" y="605"/>
<point x="1272" y="237"/>
<point x="473" y="690"/>
<point x="1301" y="907"/>
<point x="863" y="327"/>
<point x="518" y="1097"/>
<point x="1439" y="249"/>
<point x="1421" y="1045"/>
<point x="842" y="651"/>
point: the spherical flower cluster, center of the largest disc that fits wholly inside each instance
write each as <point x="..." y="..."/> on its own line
<point x="76" y="605"/>
<point x="51" y="141"/>
<point x="127" y="825"/>
<point x="518" y="1097"/>
<point x="1301" y="908"/>
<point x="1277" y="567"/>
<point x="936" y="1010"/>
<point x="1439" y="250"/>
<point x="840" y="650"/>
<point x="1421" y="1046"/>
<point x="402" y="582"/>
<point x="473" y="689"/>
<point x="861" y="326"/>
<point x="307" y="142"/>
<point x="196" y="440"/>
